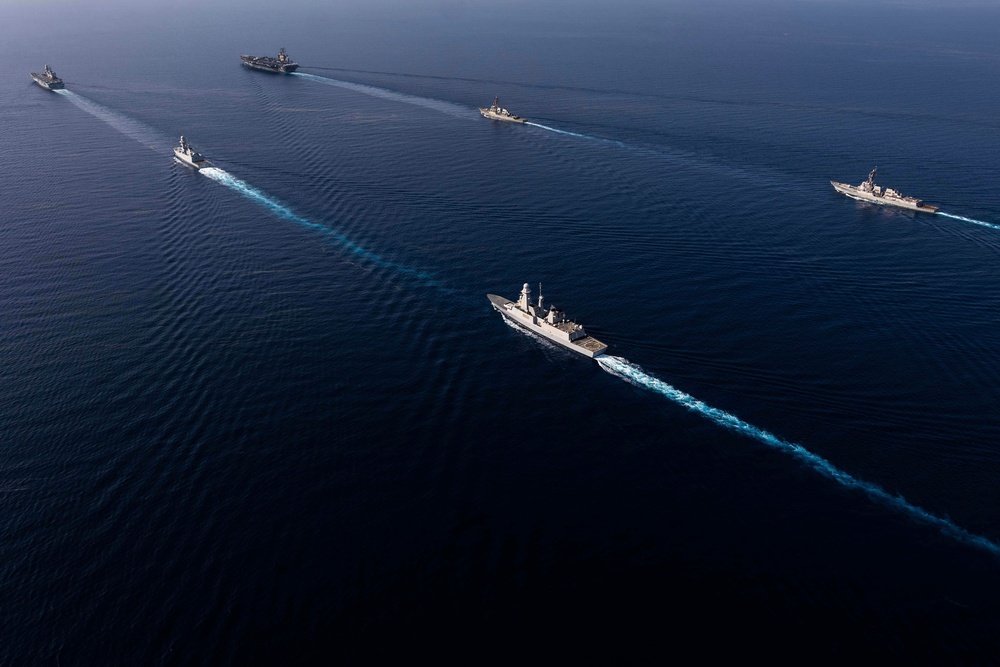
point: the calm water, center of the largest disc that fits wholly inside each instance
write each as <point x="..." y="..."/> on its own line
<point x="265" y="414"/>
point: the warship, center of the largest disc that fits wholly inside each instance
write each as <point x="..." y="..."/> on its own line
<point x="551" y="323"/>
<point x="48" y="79"/>
<point x="868" y="191"/>
<point x="187" y="155"/>
<point x="497" y="112"/>
<point x="280" y="65"/>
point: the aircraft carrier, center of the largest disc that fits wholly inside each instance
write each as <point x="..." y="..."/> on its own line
<point x="48" y="79"/>
<point x="280" y="65"/>
<point x="552" y="323"/>
<point x="870" y="192"/>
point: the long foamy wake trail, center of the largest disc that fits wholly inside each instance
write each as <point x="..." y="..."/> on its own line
<point x="633" y="374"/>
<point x="280" y="210"/>
<point x="437" y="105"/>
<point x="155" y="141"/>
<point x="964" y="219"/>
<point x="130" y="127"/>
<point x="615" y="142"/>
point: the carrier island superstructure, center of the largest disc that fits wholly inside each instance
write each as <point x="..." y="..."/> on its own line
<point x="550" y="323"/>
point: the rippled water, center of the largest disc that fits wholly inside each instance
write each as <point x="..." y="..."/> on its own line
<point x="264" y="412"/>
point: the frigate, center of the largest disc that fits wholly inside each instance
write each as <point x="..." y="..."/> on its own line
<point x="48" y="79"/>
<point x="496" y="112"/>
<point x="550" y="323"/>
<point x="280" y="65"/>
<point x="868" y="191"/>
<point x="189" y="156"/>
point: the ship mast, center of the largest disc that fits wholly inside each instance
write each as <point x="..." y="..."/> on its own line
<point x="539" y="296"/>
<point x="524" y="303"/>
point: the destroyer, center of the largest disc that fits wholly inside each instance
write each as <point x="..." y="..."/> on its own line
<point x="868" y="191"/>
<point x="187" y="155"/>
<point x="497" y="112"/>
<point x="280" y="65"/>
<point x="551" y="323"/>
<point x="48" y="79"/>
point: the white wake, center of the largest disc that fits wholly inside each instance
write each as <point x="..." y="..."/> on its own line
<point x="130" y="127"/>
<point x="437" y="105"/>
<point x="634" y="374"/>
<point x="973" y="221"/>
<point x="284" y="212"/>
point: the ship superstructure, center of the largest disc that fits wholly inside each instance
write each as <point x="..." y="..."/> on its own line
<point x="189" y="156"/>
<point x="48" y="79"/>
<point x="550" y="323"/>
<point x="280" y="65"/>
<point x="870" y="192"/>
<point x="497" y="112"/>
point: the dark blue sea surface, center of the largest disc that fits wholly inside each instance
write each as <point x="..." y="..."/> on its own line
<point x="265" y="414"/>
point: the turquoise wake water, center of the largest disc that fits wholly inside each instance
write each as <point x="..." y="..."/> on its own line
<point x="614" y="142"/>
<point x="973" y="221"/>
<point x="149" y="137"/>
<point x="632" y="373"/>
<point x="282" y="211"/>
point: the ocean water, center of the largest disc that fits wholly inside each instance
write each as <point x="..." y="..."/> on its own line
<point x="265" y="414"/>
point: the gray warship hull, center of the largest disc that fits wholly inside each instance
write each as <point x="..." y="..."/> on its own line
<point x="190" y="157"/>
<point x="496" y="112"/>
<point x="278" y="69"/>
<point x="280" y="65"/>
<point x="496" y="116"/>
<point x="186" y="160"/>
<point x="48" y="79"/>
<point x="875" y="194"/>
<point x="549" y="324"/>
